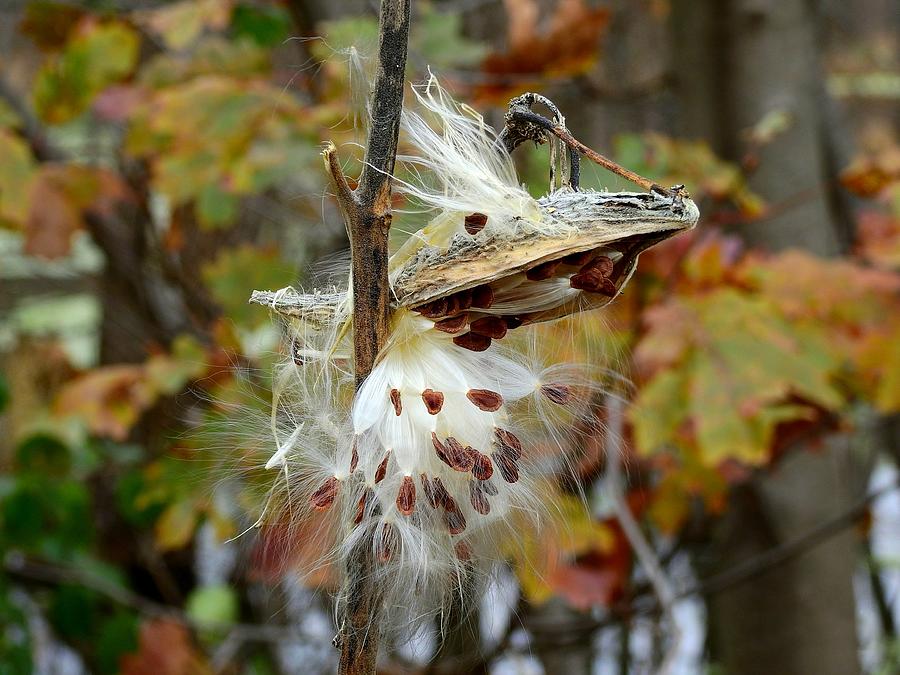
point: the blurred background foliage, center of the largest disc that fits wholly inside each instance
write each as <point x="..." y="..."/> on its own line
<point x="158" y="160"/>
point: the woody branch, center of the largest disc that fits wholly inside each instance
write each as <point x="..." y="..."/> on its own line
<point x="367" y="214"/>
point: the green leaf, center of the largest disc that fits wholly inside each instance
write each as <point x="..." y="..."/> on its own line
<point x="439" y="37"/>
<point x="216" y="207"/>
<point x="213" y="605"/>
<point x="266" y="25"/>
<point x="17" y="172"/>
<point x="96" y="56"/>
<point x="43" y="455"/>
<point x="118" y="636"/>
<point x="4" y="393"/>
<point x="73" y="612"/>
<point x="237" y="270"/>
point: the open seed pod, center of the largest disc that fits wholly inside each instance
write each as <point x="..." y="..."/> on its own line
<point x="497" y="276"/>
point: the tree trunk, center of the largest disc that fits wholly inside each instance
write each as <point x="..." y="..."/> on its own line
<point x="751" y="58"/>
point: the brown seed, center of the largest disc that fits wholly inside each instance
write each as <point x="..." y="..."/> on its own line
<point x="453" y="517"/>
<point x="463" y="551"/>
<point x="513" y="322"/>
<point x="507" y="465"/>
<point x="579" y="259"/>
<point x="508" y="441"/>
<point x="473" y="341"/>
<point x="406" y="496"/>
<point x="558" y="393"/>
<point x="489" y="488"/>
<point x="543" y="271"/>
<point x="354" y="457"/>
<point x="434" y="309"/>
<point x="428" y="488"/>
<point x="593" y="281"/>
<point x="475" y="223"/>
<point x="361" y="506"/>
<point x="485" y="399"/>
<point x="453" y="324"/>
<point x="601" y="264"/>
<point x="482" y="469"/>
<point x="479" y="500"/>
<point x="482" y="296"/>
<point x="492" y="326"/>
<point x="395" y="399"/>
<point x="458" y="457"/>
<point x="434" y="401"/>
<point x="440" y="449"/>
<point x="441" y="496"/>
<point x="324" y="496"/>
<point x="381" y="471"/>
<point x="387" y="546"/>
<point x="459" y="302"/>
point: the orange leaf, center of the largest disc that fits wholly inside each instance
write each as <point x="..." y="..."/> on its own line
<point x="165" y="648"/>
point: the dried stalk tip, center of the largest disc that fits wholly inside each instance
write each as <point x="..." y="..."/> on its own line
<point x="434" y="401"/>
<point x="485" y="399"/>
<point x="395" y="399"/>
<point x="406" y="497"/>
<point x="475" y="223"/>
<point x="324" y="496"/>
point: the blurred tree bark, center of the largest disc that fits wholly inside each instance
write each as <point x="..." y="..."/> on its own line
<point x="739" y="61"/>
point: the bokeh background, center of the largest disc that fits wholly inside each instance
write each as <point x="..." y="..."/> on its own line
<point x="158" y="160"/>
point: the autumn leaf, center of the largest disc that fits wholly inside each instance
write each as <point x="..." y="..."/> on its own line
<point x="181" y="23"/>
<point x="165" y="648"/>
<point x="878" y="239"/>
<point x="177" y="523"/>
<point x="568" y="46"/>
<point x="869" y="175"/>
<point x="723" y="376"/>
<point x="17" y="172"/>
<point x="96" y="55"/>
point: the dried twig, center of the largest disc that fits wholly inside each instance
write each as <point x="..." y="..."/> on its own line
<point x="367" y="214"/>
<point x="523" y="124"/>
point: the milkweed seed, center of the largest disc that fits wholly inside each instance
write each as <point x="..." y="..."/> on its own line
<point x="428" y="488"/>
<point x="475" y="223"/>
<point x="354" y="457"/>
<point x="593" y="281"/>
<point x="361" y="506"/>
<point x="472" y="341"/>
<point x="489" y="488"/>
<point x="381" y="471"/>
<point x="482" y="469"/>
<point x="453" y="517"/>
<point x="478" y="499"/>
<point x="434" y="401"/>
<point x="508" y="441"/>
<point x="512" y="322"/>
<point x="579" y="259"/>
<point x="324" y="496"/>
<point x="482" y="297"/>
<point x="453" y="324"/>
<point x="485" y="399"/>
<point x="560" y="394"/>
<point x="434" y="309"/>
<point x="459" y="457"/>
<point x="507" y="465"/>
<point x="601" y="264"/>
<point x="543" y="271"/>
<point x="441" y="496"/>
<point x="406" y="496"/>
<point x="395" y="399"/>
<point x="463" y="551"/>
<point x="492" y="326"/>
<point x="389" y="542"/>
